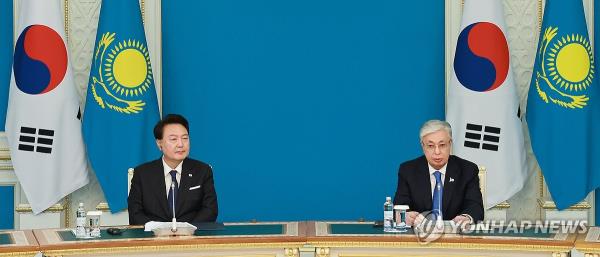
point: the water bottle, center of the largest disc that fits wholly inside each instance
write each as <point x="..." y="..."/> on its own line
<point x="388" y="215"/>
<point x="80" y="222"/>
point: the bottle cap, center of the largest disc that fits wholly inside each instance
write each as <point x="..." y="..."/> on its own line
<point x="80" y="204"/>
<point x="401" y="207"/>
<point x="388" y="198"/>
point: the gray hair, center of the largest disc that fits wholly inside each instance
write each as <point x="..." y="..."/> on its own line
<point x="433" y="126"/>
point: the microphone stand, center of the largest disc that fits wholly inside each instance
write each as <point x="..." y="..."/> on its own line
<point x="439" y="223"/>
<point x="174" y="220"/>
<point x="440" y="205"/>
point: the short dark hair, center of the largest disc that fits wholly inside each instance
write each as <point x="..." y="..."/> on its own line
<point x="169" y="119"/>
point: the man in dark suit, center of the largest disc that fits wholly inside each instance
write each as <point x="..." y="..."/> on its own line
<point x="174" y="179"/>
<point x="437" y="182"/>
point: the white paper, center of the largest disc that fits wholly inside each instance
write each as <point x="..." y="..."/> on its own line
<point x="151" y="225"/>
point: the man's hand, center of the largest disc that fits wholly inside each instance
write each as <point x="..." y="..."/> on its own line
<point x="462" y="220"/>
<point x="412" y="218"/>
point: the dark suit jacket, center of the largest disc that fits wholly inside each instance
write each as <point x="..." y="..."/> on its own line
<point x="461" y="196"/>
<point x="148" y="199"/>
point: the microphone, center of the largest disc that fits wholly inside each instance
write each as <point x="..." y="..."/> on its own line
<point x="174" y="220"/>
<point x="439" y="217"/>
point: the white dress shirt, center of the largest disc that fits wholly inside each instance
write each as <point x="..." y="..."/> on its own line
<point x="167" y="170"/>
<point x="432" y="177"/>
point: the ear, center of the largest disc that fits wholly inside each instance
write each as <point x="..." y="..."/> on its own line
<point x="158" y="144"/>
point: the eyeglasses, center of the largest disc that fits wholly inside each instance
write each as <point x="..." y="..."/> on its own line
<point x="430" y="147"/>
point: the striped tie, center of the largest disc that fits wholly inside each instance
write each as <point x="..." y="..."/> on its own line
<point x="437" y="196"/>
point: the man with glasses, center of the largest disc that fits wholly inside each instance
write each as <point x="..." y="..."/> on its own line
<point x="173" y="185"/>
<point x="438" y="184"/>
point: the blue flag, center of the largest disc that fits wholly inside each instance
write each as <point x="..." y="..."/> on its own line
<point x="6" y="53"/>
<point x="563" y="99"/>
<point x="121" y="107"/>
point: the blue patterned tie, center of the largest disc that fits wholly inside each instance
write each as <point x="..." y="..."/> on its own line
<point x="172" y="193"/>
<point x="437" y="196"/>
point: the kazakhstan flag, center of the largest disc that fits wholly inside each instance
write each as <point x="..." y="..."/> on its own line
<point x="121" y="107"/>
<point x="563" y="97"/>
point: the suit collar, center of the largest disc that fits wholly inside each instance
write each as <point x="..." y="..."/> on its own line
<point x="185" y="183"/>
<point x="424" y="181"/>
<point x="167" y="169"/>
<point x="432" y="170"/>
<point x="158" y="176"/>
<point x="452" y="174"/>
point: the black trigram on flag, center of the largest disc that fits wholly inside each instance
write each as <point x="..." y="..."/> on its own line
<point x="38" y="140"/>
<point x="484" y="137"/>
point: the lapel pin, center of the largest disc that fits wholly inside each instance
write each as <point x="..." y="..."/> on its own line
<point x="190" y="175"/>
<point x="451" y="179"/>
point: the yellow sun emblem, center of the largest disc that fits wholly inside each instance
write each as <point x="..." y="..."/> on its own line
<point x="123" y="76"/>
<point x="127" y="68"/>
<point x="570" y="63"/>
<point x="567" y="69"/>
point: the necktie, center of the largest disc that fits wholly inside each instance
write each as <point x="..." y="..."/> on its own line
<point x="437" y="196"/>
<point x="172" y="191"/>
